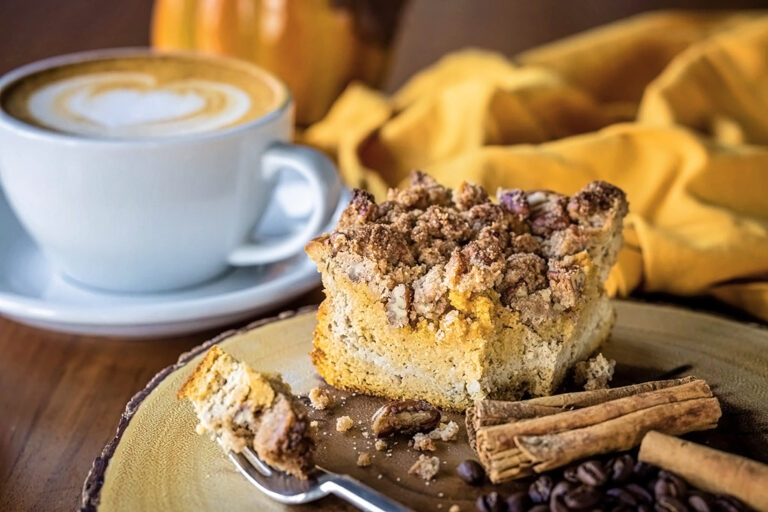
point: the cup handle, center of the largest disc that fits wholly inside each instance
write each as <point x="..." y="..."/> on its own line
<point x="324" y="182"/>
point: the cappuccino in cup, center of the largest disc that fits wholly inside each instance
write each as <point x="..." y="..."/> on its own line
<point x="137" y="171"/>
<point x="142" y="96"/>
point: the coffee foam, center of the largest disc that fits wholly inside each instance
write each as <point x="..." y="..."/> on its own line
<point x="143" y="96"/>
<point x="134" y="104"/>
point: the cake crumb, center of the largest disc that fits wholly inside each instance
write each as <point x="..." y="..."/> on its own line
<point x="426" y="467"/>
<point x="320" y="399"/>
<point x="380" y="445"/>
<point x="423" y="443"/>
<point x="344" y="423"/>
<point x="366" y="434"/>
<point x="443" y="432"/>
<point x="364" y="459"/>
<point x="313" y="423"/>
<point x="594" y="373"/>
<point x="454" y="508"/>
<point x="446" y="431"/>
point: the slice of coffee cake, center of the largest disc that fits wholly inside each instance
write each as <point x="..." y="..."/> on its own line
<point x="449" y="297"/>
<point x="246" y="408"/>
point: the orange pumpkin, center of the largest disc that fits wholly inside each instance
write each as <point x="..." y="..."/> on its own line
<point x="316" y="46"/>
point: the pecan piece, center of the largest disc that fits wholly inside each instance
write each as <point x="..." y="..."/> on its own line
<point x="515" y="201"/>
<point x="549" y="213"/>
<point x="405" y="417"/>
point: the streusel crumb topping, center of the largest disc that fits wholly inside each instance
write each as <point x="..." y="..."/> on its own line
<point x="426" y="240"/>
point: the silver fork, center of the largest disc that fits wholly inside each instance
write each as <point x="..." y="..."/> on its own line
<point x="292" y="491"/>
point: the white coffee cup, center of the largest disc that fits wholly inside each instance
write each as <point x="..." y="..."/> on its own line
<point x="153" y="214"/>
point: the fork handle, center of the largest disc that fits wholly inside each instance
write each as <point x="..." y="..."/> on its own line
<point x="360" y="495"/>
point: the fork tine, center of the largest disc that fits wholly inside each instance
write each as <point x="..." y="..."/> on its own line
<point x="290" y="490"/>
<point x="281" y="488"/>
<point x="256" y="462"/>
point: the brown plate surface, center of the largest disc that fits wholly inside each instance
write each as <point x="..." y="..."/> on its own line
<point x="158" y="462"/>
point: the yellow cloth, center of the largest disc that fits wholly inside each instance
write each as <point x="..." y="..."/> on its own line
<point x="672" y="107"/>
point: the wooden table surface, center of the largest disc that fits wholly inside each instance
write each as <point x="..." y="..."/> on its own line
<point x="61" y="395"/>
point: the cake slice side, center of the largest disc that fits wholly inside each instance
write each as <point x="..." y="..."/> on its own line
<point x="446" y="296"/>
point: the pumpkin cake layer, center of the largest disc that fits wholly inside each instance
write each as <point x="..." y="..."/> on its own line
<point x="449" y="297"/>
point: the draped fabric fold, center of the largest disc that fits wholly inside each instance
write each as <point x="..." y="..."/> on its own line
<point x="671" y="106"/>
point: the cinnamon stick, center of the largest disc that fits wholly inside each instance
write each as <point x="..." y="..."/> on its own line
<point x="619" y="434"/>
<point x="538" y="439"/>
<point x="587" y="398"/>
<point x="496" y="412"/>
<point x="500" y="437"/>
<point x="708" y="469"/>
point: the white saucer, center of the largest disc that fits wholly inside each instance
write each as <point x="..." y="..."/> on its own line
<point x="31" y="292"/>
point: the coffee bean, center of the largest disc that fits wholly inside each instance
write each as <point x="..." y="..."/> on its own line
<point x="681" y="488"/>
<point x="639" y="492"/>
<point x="570" y="475"/>
<point x="592" y="473"/>
<point x="699" y="502"/>
<point x="561" y="488"/>
<point x="540" y="489"/>
<point x="670" y="504"/>
<point x="634" y="487"/>
<point x="622" y="496"/>
<point x="471" y="472"/>
<point x="664" y="486"/>
<point x="492" y="502"/>
<point x="518" y="502"/>
<point x="728" y="504"/>
<point x="556" y="502"/>
<point x="621" y="468"/>
<point x="583" y="496"/>
<point x="558" y="505"/>
<point x="644" y="471"/>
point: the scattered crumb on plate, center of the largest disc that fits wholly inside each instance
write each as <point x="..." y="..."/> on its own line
<point x="344" y="423"/>
<point x="423" y="443"/>
<point x="320" y="399"/>
<point x="594" y="373"/>
<point x="426" y="467"/>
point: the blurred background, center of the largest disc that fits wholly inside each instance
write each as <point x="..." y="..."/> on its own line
<point x="34" y="29"/>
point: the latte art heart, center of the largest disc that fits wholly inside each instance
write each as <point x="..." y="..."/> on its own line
<point x="134" y="104"/>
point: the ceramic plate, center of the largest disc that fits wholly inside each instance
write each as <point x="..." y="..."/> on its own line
<point x="32" y="292"/>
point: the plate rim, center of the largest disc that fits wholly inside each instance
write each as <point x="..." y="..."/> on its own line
<point x="303" y="277"/>
<point x="94" y="481"/>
